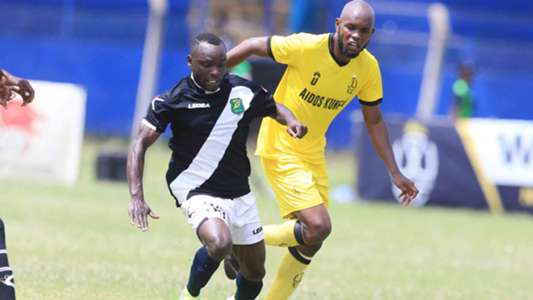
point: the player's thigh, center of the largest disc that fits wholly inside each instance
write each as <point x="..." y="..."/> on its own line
<point x="321" y="179"/>
<point x="209" y="217"/>
<point x="294" y="184"/>
<point x="251" y="260"/>
<point x="244" y="220"/>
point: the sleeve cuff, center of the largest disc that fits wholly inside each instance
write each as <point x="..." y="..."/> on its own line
<point x="371" y="103"/>
<point x="269" y="48"/>
<point x="272" y="109"/>
<point x="149" y="125"/>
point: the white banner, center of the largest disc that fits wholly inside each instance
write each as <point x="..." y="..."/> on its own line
<point x="504" y="149"/>
<point x="43" y="140"/>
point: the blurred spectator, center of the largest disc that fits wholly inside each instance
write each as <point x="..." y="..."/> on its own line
<point x="463" y="104"/>
<point x="307" y="16"/>
<point x="244" y="69"/>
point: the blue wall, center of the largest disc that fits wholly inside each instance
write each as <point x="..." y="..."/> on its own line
<point x="97" y="44"/>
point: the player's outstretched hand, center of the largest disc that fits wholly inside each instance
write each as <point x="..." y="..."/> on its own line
<point x="138" y="210"/>
<point x="296" y="129"/>
<point x="25" y="90"/>
<point x="10" y="84"/>
<point x="409" y="191"/>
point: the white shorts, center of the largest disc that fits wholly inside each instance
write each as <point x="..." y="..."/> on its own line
<point x="240" y="214"/>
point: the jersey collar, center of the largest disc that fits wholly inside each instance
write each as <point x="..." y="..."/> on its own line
<point x="201" y="88"/>
<point x="330" y="48"/>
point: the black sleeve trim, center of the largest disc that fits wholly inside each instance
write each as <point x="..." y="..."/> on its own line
<point x="148" y="119"/>
<point x="371" y="103"/>
<point x="269" y="48"/>
<point x="272" y="109"/>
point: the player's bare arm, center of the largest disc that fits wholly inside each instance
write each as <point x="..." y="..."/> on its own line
<point x="138" y="209"/>
<point x="18" y="85"/>
<point x="380" y="139"/>
<point x="285" y="117"/>
<point x="252" y="46"/>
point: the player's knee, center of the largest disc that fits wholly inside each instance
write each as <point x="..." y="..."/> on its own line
<point x="316" y="231"/>
<point x="218" y="247"/>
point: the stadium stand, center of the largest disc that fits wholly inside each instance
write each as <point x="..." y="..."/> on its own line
<point x="98" y="44"/>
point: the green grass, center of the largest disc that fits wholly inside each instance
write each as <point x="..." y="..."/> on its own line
<point x="76" y="243"/>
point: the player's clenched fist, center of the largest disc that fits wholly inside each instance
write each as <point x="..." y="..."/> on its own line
<point x="9" y="85"/>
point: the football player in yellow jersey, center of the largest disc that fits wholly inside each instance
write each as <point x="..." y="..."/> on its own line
<point x="324" y="73"/>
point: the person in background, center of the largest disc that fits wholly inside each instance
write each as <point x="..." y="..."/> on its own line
<point x="463" y="104"/>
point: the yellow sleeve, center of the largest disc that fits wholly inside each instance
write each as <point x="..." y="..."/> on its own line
<point x="287" y="49"/>
<point x="372" y="91"/>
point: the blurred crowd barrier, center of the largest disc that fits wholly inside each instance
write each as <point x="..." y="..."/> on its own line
<point x="476" y="163"/>
<point x="43" y="140"/>
<point x="97" y="44"/>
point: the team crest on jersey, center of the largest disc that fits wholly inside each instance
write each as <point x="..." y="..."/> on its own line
<point x="352" y="85"/>
<point x="237" y="107"/>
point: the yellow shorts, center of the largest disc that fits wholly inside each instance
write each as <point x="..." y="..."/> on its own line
<point x="297" y="184"/>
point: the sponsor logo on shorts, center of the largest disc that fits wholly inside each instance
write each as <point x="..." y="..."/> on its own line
<point x="257" y="230"/>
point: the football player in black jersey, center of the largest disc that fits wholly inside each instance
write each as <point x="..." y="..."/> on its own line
<point x="209" y="113"/>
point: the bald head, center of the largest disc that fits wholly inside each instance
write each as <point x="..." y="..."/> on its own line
<point x="354" y="27"/>
<point x="357" y="9"/>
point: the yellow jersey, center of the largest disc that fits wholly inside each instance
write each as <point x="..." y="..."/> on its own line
<point x="315" y="87"/>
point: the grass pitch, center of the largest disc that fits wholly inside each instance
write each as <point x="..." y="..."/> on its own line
<point x="76" y="243"/>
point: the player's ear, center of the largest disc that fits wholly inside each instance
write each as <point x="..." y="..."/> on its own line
<point x="189" y="60"/>
<point x="337" y="22"/>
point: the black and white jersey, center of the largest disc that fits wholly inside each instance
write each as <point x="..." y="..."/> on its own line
<point x="209" y="133"/>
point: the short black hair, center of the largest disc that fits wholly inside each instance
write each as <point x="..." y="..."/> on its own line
<point x="208" y="38"/>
